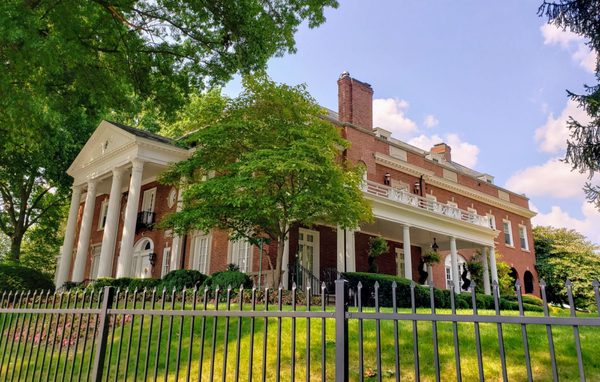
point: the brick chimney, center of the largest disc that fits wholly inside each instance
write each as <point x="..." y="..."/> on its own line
<point x="355" y="102"/>
<point x="444" y="150"/>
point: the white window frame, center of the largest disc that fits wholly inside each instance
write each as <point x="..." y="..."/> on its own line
<point x="201" y="245"/>
<point x="523" y="239"/>
<point x="511" y="241"/>
<point x="400" y="264"/>
<point x="166" y="261"/>
<point x="149" y="200"/>
<point x="315" y="244"/>
<point x="95" y="261"/>
<point x="103" y="215"/>
<point x="244" y="248"/>
<point x="492" y="220"/>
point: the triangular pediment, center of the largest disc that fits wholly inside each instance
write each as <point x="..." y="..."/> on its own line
<point x="105" y="141"/>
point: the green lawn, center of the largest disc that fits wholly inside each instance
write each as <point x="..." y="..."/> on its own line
<point x="128" y="348"/>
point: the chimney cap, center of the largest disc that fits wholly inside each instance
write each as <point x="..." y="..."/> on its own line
<point x="344" y="74"/>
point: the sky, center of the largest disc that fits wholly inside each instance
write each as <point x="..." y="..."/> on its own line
<point x="488" y="78"/>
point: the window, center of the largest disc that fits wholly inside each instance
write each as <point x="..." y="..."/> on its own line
<point x="523" y="237"/>
<point x="166" y="264"/>
<point x="400" y="267"/>
<point x="507" y="233"/>
<point x="241" y="251"/>
<point x="200" y="252"/>
<point x="307" y="257"/>
<point x="103" y="214"/>
<point x="96" y="249"/>
<point x="492" y="221"/>
<point x="148" y="200"/>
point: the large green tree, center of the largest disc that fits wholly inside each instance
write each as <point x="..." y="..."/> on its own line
<point x="66" y="64"/>
<point x="583" y="146"/>
<point x="266" y="163"/>
<point x="563" y="254"/>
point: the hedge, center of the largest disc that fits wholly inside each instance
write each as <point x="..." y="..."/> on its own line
<point x="228" y="278"/>
<point x="182" y="278"/>
<point x="422" y="294"/>
<point x="19" y="278"/>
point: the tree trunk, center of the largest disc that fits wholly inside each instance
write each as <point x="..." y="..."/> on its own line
<point x="277" y="278"/>
<point x="15" y="246"/>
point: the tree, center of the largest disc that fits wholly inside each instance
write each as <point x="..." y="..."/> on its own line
<point x="65" y="65"/>
<point x="269" y="162"/>
<point x="563" y="254"/>
<point x="583" y="146"/>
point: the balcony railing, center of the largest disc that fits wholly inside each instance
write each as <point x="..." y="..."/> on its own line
<point x="145" y="220"/>
<point x="417" y="201"/>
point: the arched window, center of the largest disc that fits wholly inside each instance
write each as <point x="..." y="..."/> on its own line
<point x="528" y="281"/>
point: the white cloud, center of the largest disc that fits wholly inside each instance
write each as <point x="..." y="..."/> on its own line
<point x="431" y="121"/>
<point x="389" y="114"/>
<point x="571" y="42"/>
<point x="552" y="137"/>
<point x="556" y="217"/>
<point x="462" y="152"/>
<point x="553" y="178"/>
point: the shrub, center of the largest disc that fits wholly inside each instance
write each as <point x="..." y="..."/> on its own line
<point x="228" y="278"/>
<point x="182" y="278"/>
<point x="16" y="277"/>
<point x="533" y="300"/>
<point x="120" y="283"/>
<point x="141" y="284"/>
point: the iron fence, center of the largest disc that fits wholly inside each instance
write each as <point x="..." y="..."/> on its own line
<point x="233" y="335"/>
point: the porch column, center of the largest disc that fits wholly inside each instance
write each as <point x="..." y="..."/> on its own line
<point x="454" y="263"/>
<point x="69" y="241"/>
<point x="341" y="253"/>
<point x="493" y="267"/>
<point x="350" y="251"/>
<point x="133" y="199"/>
<point x="407" y="253"/>
<point x="84" y="232"/>
<point x="486" y="272"/>
<point x="109" y="238"/>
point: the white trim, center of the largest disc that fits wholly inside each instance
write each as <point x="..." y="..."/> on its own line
<point x="200" y="247"/>
<point x="95" y="251"/>
<point x="241" y="247"/>
<point x="507" y="224"/>
<point x="315" y="244"/>
<point x="166" y="261"/>
<point x="103" y="214"/>
<point x="523" y="229"/>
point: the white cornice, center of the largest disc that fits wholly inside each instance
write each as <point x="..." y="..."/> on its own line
<point x="401" y="165"/>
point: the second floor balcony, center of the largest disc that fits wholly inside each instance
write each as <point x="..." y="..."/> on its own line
<point x="407" y="198"/>
<point x="145" y="220"/>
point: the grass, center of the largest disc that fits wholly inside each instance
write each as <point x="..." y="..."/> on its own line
<point x="131" y="342"/>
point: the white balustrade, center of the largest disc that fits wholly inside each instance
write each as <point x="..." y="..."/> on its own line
<point x="405" y="197"/>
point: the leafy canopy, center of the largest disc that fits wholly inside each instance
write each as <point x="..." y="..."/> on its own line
<point x="563" y="254"/>
<point x="268" y="162"/>
<point x="583" y="146"/>
<point x="65" y="65"/>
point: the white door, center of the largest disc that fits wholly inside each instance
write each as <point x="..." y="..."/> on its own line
<point x="241" y="251"/>
<point x="308" y="256"/>
<point x="140" y="267"/>
<point x="200" y="252"/>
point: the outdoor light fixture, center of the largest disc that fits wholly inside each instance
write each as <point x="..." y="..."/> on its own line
<point x="434" y="246"/>
<point x="152" y="259"/>
<point x="387" y="179"/>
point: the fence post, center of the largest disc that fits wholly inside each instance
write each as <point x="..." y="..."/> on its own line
<point x="341" y="331"/>
<point x="102" y="334"/>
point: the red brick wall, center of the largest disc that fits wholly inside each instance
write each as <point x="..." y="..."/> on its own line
<point x="355" y="102"/>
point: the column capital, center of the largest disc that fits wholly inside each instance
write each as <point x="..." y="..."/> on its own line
<point x="77" y="188"/>
<point x="137" y="165"/>
<point x="118" y="171"/>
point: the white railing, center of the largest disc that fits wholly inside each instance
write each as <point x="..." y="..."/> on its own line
<point x="417" y="201"/>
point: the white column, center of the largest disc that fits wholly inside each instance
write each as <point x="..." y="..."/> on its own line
<point x="131" y="210"/>
<point x="486" y="271"/>
<point x="109" y="238"/>
<point x="350" y="251"/>
<point x="341" y="253"/>
<point x="493" y="267"/>
<point x="285" y="261"/>
<point x="454" y="263"/>
<point x="69" y="241"/>
<point x="407" y="253"/>
<point x="84" y="233"/>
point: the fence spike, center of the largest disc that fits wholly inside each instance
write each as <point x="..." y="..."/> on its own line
<point x="412" y="284"/>
<point x="280" y="286"/>
<point x="359" y="285"/>
<point x="376" y="285"/>
<point x="241" y="288"/>
<point x="595" y="283"/>
<point x="294" y="285"/>
<point x="568" y="284"/>
<point x="323" y="285"/>
<point x="542" y="283"/>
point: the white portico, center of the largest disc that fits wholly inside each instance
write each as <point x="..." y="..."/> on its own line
<point x="115" y="160"/>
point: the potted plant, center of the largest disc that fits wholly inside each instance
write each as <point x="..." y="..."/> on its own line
<point x="431" y="257"/>
<point x="377" y="247"/>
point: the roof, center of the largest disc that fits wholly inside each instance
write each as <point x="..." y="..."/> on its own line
<point x="144" y="133"/>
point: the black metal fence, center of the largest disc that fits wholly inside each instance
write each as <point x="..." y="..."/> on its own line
<point x="278" y="335"/>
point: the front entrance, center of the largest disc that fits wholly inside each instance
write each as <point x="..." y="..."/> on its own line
<point x="141" y="267"/>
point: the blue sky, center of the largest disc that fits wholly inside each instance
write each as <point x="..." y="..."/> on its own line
<point x="489" y="78"/>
